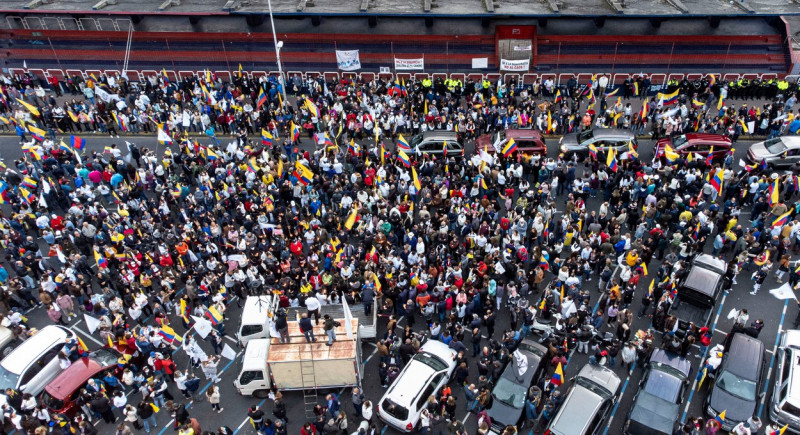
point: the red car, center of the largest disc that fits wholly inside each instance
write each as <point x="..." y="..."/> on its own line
<point x="529" y="142"/>
<point x="60" y="394"/>
<point x="699" y="144"/>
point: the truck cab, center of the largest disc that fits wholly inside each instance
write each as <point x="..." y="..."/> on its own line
<point x="253" y="379"/>
<point x="255" y="319"/>
<point x="699" y="291"/>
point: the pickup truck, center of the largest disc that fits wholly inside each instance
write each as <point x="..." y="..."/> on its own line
<point x="699" y="291"/>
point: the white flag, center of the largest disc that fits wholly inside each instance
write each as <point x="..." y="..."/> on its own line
<point x="202" y="326"/>
<point x="164" y="137"/>
<point x="229" y="353"/>
<point x="521" y="362"/>
<point x="783" y="292"/>
<point x="348" y="319"/>
<point x="91" y="323"/>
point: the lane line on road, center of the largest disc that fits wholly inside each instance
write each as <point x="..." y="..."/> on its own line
<point x="703" y="358"/>
<point x="87" y="335"/>
<point x="619" y="398"/>
<point x="247" y="419"/>
<point x="772" y="359"/>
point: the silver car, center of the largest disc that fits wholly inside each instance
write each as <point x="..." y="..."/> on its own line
<point x="588" y="403"/>
<point x="433" y="142"/>
<point x="779" y="152"/>
<point x="602" y="138"/>
<point x="784" y="407"/>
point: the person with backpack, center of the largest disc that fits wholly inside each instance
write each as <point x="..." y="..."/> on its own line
<point x="146" y="411"/>
<point x="192" y="386"/>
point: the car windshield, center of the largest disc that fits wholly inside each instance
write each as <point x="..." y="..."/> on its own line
<point x="415" y="140"/>
<point x="741" y="388"/>
<point x="510" y="393"/>
<point x="431" y="360"/>
<point x="51" y="402"/>
<point x="7" y="379"/>
<point x="531" y="348"/>
<point x="585" y="135"/>
<point x="678" y="140"/>
<point x="775" y="145"/>
<point x="105" y="356"/>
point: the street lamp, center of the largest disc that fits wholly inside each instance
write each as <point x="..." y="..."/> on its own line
<point x="278" y="46"/>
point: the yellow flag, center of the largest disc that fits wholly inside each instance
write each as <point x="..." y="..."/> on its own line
<point x="351" y="220"/>
<point x="31" y="108"/>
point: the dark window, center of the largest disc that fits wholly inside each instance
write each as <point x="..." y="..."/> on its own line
<point x="251" y="376"/>
<point x="251" y="329"/>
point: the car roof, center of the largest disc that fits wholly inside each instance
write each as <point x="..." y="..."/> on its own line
<point x="710" y="262"/>
<point x="791" y="141"/>
<point x="702" y="280"/>
<point x="445" y="134"/>
<point x="611" y="133"/>
<point x="252" y="310"/>
<point x="523" y="134"/>
<point x="578" y="408"/>
<point x="255" y="354"/>
<point x="41" y="342"/>
<point x="409" y="383"/>
<point x="708" y="137"/>
<point x="790" y="341"/>
<point x="439" y="349"/>
<point x="510" y="371"/>
<point x="73" y="377"/>
<point x="744" y="356"/>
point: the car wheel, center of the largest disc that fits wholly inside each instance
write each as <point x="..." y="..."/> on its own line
<point x="7" y="350"/>
<point x="261" y="394"/>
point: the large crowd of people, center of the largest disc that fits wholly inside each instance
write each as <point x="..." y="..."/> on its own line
<point x="301" y="191"/>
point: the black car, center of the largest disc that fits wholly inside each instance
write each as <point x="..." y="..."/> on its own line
<point x="738" y="382"/>
<point x="511" y="389"/>
<point x="656" y="407"/>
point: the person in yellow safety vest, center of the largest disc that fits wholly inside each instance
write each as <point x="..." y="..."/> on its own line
<point x="486" y="84"/>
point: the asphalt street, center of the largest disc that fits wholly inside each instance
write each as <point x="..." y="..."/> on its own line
<point x="775" y="313"/>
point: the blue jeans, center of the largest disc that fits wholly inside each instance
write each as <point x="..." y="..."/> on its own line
<point x="309" y="335"/>
<point x="331" y="336"/>
<point x="149" y="421"/>
<point x="159" y="401"/>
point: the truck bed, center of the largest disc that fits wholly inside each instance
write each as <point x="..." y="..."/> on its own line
<point x="332" y="366"/>
<point x="687" y="312"/>
<point x="366" y="324"/>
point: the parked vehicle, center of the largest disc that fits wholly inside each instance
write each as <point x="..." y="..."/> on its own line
<point x="511" y="389"/>
<point x="60" y="394"/>
<point x="402" y="404"/>
<point x="602" y="138"/>
<point x="267" y="363"/>
<point x="8" y="341"/>
<point x="588" y="402"/>
<point x="698" y="144"/>
<point x="656" y="406"/>
<point x="254" y="321"/>
<point x="784" y="406"/>
<point x="779" y="152"/>
<point x="34" y="363"/>
<point x="699" y="291"/>
<point x="738" y="381"/>
<point x="528" y="142"/>
<point x="432" y="142"/>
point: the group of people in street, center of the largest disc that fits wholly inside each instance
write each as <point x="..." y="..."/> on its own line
<point x="309" y="198"/>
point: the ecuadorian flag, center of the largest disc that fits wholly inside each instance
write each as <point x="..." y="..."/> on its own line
<point x="213" y="315"/>
<point x="402" y="144"/>
<point x="558" y="376"/>
<point x="510" y="147"/>
<point x="403" y="157"/>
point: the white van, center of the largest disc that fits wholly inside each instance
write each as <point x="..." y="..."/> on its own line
<point x="255" y="319"/>
<point x="34" y="363"/>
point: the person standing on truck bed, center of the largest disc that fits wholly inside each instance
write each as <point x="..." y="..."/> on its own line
<point x="307" y="328"/>
<point x="313" y="306"/>
<point x="330" y="329"/>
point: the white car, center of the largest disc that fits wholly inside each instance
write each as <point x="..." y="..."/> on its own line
<point x="423" y="376"/>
